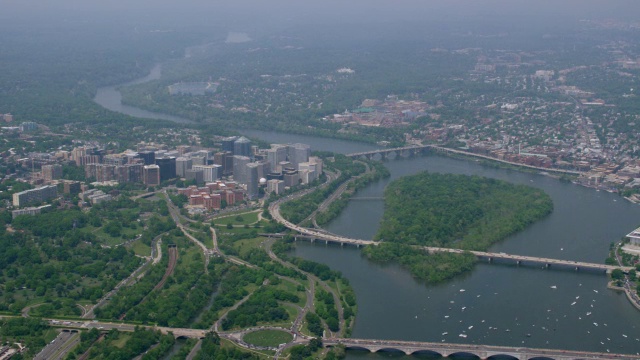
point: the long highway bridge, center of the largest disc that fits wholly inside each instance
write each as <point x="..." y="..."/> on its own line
<point x="413" y="150"/>
<point x="314" y="234"/>
<point x="481" y="351"/>
<point x="372" y="345"/>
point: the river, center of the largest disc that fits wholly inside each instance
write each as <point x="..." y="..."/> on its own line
<point x="495" y="304"/>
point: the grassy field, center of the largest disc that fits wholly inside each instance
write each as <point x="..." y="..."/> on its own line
<point x="245" y="245"/>
<point x="121" y="341"/>
<point x="247" y="218"/>
<point x="270" y="338"/>
<point x="141" y="249"/>
<point x="267" y="354"/>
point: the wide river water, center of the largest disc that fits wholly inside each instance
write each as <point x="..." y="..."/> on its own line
<point x="496" y="304"/>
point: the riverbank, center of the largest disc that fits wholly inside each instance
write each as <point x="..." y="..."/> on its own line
<point x="634" y="300"/>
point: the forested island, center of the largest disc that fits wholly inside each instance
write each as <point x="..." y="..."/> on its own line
<point x="456" y="211"/>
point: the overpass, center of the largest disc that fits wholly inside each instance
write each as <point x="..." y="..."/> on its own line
<point x="413" y="150"/>
<point x="481" y="351"/>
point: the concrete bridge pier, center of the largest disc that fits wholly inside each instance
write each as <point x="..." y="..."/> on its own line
<point x="518" y="262"/>
<point x="547" y="265"/>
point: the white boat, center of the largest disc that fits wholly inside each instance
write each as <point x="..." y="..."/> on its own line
<point x="463" y="335"/>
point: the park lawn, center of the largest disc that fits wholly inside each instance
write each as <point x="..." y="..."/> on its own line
<point x="267" y="354"/>
<point x="245" y="245"/>
<point x="291" y="310"/>
<point x="141" y="249"/>
<point x="293" y="288"/>
<point x="121" y="341"/>
<point x="222" y="230"/>
<point x="188" y="255"/>
<point x="113" y="241"/>
<point x="304" y="330"/>
<point x="248" y="215"/>
<point x="271" y="338"/>
<point x="202" y="236"/>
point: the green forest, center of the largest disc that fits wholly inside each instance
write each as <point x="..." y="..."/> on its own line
<point x="456" y="211"/>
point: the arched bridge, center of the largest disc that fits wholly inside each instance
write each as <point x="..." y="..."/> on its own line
<point x="481" y="351"/>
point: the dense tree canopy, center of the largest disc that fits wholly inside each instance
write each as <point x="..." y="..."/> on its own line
<point x="446" y="210"/>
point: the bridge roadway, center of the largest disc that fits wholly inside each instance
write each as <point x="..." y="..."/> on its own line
<point x="313" y="234"/>
<point x="481" y="351"/>
<point x="408" y="347"/>
<point x="414" y="148"/>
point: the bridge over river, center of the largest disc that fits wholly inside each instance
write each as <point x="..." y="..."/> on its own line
<point x="413" y="150"/>
<point x="315" y="234"/>
<point x="481" y="351"/>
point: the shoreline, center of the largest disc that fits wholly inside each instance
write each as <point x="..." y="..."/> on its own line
<point x="627" y="293"/>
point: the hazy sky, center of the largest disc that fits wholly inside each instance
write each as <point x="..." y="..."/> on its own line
<point x="266" y="11"/>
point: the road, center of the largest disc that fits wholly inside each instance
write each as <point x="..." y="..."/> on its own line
<point x="59" y="347"/>
<point x="139" y="272"/>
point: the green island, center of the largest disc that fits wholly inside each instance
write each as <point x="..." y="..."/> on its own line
<point x="455" y="211"/>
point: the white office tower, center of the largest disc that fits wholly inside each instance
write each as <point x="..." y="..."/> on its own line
<point x="275" y="156"/>
<point x="240" y="168"/>
<point x="317" y="163"/>
<point x="210" y="173"/>
<point x="182" y="165"/>
<point x="298" y="153"/>
<point x="253" y="180"/>
<point x="311" y="170"/>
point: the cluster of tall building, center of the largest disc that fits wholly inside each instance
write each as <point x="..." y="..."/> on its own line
<point x="281" y="165"/>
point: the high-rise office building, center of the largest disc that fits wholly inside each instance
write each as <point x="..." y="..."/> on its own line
<point x="151" y="175"/>
<point x="227" y="143"/>
<point x="209" y="172"/>
<point x="275" y="186"/>
<point x="242" y="147"/>
<point x="275" y="155"/>
<point x="149" y="157"/>
<point x="253" y="180"/>
<point x="195" y="175"/>
<point x="167" y="167"/>
<point x="240" y="168"/>
<point x="182" y="165"/>
<point x="298" y="153"/>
